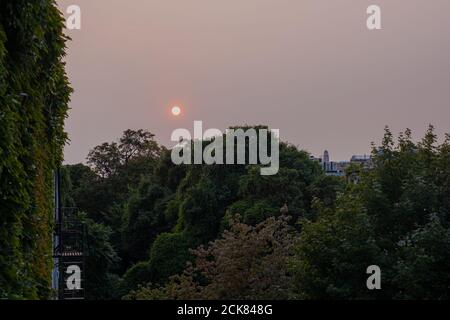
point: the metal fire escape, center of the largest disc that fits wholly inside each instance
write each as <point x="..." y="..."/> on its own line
<point x="68" y="250"/>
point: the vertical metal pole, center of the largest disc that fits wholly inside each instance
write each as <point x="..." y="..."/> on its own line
<point x="57" y="233"/>
<point x="55" y="237"/>
<point x="58" y="190"/>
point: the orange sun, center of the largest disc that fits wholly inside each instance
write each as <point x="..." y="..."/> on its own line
<point x="176" y="111"/>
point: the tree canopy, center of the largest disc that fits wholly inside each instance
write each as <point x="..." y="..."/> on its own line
<point x="226" y="232"/>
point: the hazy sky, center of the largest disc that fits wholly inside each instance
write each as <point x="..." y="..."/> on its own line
<point x="307" y="67"/>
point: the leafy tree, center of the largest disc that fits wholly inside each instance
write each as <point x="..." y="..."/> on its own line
<point x="166" y="173"/>
<point x="117" y="168"/>
<point x="246" y="263"/>
<point x="144" y="220"/>
<point x="103" y="189"/>
<point x="383" y="220"/>
<point x="139" y="273"/>
<point x="138" y="144"/>
<point x="209" y="196"/>
<point x="160" y="211"/>
<point x="168" y="256"/>
<point x="333" y="253"/>
<point x="92" y="195"/>
<point x="402" y="189"/>
<point x="135" y="149"/>
<point x="101" y="261"/>
<point x="105" y="159"/>
<point x="422" y="270"/>
<point x="326" y="189"/>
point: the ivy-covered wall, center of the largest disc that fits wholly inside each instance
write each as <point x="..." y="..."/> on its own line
<point x="34" y="97"/>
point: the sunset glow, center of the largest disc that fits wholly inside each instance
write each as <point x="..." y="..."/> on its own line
<point x="176" y="110"/>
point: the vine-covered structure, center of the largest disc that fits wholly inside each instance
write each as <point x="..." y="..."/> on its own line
<point x="34" y="97"/>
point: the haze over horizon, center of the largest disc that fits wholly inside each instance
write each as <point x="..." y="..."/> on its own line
<point x="309" y="68"/>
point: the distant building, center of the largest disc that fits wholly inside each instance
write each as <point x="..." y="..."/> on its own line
<point x="363" y="159"/>
<point x="331" y="168"/>
<point x="326" y="156"/>
<point x="339" y="168"/>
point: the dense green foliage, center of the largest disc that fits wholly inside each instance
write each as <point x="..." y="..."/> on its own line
<point x="34" y="95"/>
<point x="226" y="232"/>
<point x="247" y="262"/>
<point x="158" y="211"/>
<point x="397" y="217"/>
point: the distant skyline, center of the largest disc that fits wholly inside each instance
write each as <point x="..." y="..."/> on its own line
<point x="307" y="67"/>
